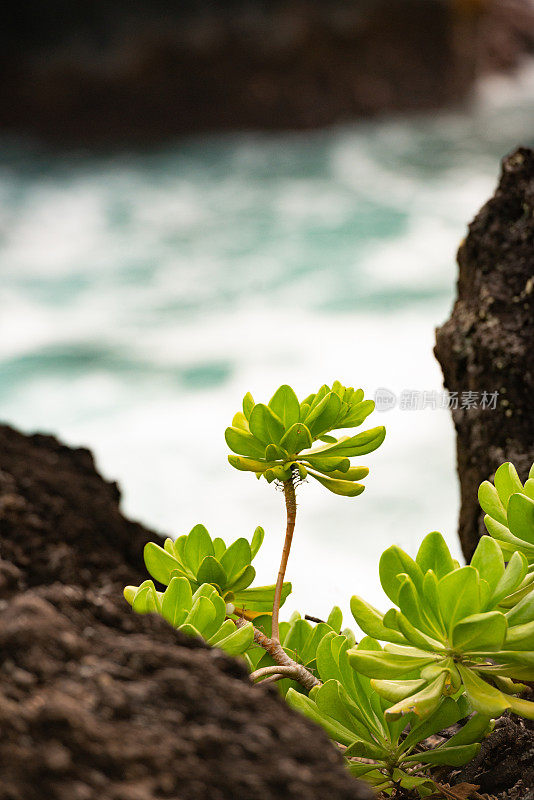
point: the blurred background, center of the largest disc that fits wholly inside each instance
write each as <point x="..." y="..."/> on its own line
<point x="203" y="199"/>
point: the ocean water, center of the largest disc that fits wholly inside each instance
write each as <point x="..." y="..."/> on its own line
<point x="142" y="295"/>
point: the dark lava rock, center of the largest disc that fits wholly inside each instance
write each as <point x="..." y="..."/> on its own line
<point x="59" y="521"/>
<point x="488" y="342"/>
<point x="504" y="767"/>
<point x="98" y="703"/>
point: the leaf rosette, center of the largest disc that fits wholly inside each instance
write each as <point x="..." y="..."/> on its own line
<point x="277" y="440"/>
<point x="202" y="560"/>
<point x="378" y="747"/>
<point x="450" y="629"/>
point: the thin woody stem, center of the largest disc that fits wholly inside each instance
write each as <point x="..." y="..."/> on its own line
<point x="291" y="510"/>
<point x="278" y="654"/>
<point x="287" y="672"/>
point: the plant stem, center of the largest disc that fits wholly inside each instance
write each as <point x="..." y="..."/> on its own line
<point x="278" y="654"/>
<point x="291" y="511"/>
<point x="286" y="672"/>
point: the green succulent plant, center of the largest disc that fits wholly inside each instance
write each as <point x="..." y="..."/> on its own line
<point x="300" y="640"/>
<point x="200" y="614"/>
<point x="201" y="559"/>
<point x="276" y="440"/>
<point x="450" y="629"/>
<point x="378" y="747"/>
<point x="509" y="519"/>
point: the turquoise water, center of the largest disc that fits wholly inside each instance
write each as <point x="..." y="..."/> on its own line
<point x="143" y="295"/>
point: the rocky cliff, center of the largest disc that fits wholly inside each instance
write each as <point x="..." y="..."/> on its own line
<point x="488" y="342"/>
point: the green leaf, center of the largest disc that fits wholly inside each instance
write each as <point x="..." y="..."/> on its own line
<point x="363" y="749"/>
<point x="236" y="557"/>
<point x="414" y="633"/>
<point x="484" y="698"/>
<point x="521" y="517"/>
<point x="371" y="622"/>
<point x="265" y="425"/>
<point x="458" y="594"/>
<point x="351" y="474"/>
<point x="260" y="598"/>
<point x="507" y="482"/>
<point x="411" y="603"/>
<point x="243" y="579"/>
<point x="159" y="563"/>
<point x="331" y="700"/>
<point x="522" y="612"/>
<point x="329" y="465"/>
<point x="286" y="406"/>
<point x="278" y="473"/>
<point x="514" y="573"/>
<point x="507" y="540"/>
<point x="383" y="665"/>
<point x="474" y="730"/>
<point x="490" y="502"/>
<point x="240" y="421"/>
<point x="394" y="562"/>
<point x="521" y="637"/>
<point x="198" y="545"/>
<point x="451" y="756"/>
<point x="334" y="729"/>
<point x="422" y="703"/>
<point x="144" y="601"/>
<point x="238" y="641"/>
<point x="275" y="453"/>
<point x="248" y="405"/>
<point x="245" y="444"/>
<point x="297" y="438"/>
<point x="447" y="713"/>
<point x="431" y="600"/>
<point x="201" y="615"/>
<point x="210" y="571"/>
<point x="322" y="418"/>
<point x="435" y="555"/>
<point x="177" y="601"/>
<point x="297" y="637"/>
<point x="397" y="690"/>
<point x="343" y="488"/>
<point x="485" y="631"/>
<point x="488" y="560"/>
<point x="219" y="546"/>
<point x="524" y="708"/>
<point x="257" y="541"/>
<point x="250" y="464"/>
<point x="358" y="414"/>
<point x="335" y="619"/>
<point x="358" y="445"/>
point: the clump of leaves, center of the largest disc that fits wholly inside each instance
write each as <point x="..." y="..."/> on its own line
<point x="200" y="614"/>
<point x="277" y="439"/>
<point x="509" y="519"/>
<point x="378" y="747"/>
<point x="201" y="559"/>
<point x="449" y="631"/>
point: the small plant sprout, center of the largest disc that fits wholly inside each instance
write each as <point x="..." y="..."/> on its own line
<point x="277" y="440"/>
